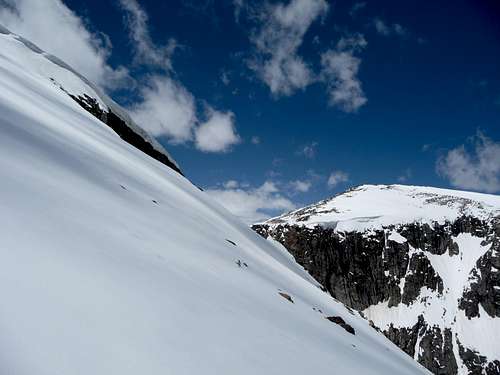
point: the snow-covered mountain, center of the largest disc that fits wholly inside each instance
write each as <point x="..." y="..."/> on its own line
<point x="111" y="263"/>
<point x="422" y="265"/>
<point x="84" y="92"/>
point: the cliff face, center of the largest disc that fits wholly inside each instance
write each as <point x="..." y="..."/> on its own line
<point x="432" y="287"/>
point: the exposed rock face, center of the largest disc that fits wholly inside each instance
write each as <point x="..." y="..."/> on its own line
<point x="431" y="288"/>
<point x="341" y="322"/>
<point x="123" y="130"/>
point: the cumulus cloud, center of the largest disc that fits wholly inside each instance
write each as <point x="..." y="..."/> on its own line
<point x="277" y="41"/>
<point x="252" y="204"/>
<point x="56" y="29"/>
<point x="475" y="166"/>
<point x="146" y="52"/>
<point x="276" y="61"/>
<point x="336" y="178"/>
<point x="166" y="109"/>
<point x="340" y="72"/>
<point x="218" y="133"/>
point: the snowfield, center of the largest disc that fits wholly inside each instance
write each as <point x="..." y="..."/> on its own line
<point x="376" y="206"/>
<point x="112" y="263"/>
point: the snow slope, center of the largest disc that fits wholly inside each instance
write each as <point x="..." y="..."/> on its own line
<point x="376" y="206"/>
<point x="28" y="56"/>
<point x="112" y="264"/>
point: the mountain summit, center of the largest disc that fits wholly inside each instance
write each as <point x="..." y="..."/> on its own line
<point x="421" y="264"/>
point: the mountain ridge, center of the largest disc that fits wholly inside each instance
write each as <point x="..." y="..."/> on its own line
<point x="364" y="204"/>
<point x="420" y="263"/>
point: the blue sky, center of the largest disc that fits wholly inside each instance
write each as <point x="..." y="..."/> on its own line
<point x="273" y="105"/>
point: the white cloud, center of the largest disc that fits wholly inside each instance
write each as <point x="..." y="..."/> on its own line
<point x="231" y="184"/>
<point x="356" y="8"/>
<point x="277" y="41"/>
<point x="352" y="42"/>
<point x="239" y="6"/>
<point x="218" y="133"/>
<point x="308" y="150"/>
<point x="56" y="29"/>
<point x="381" y="27"/>
<point x="426" y="147"/>
<point x="300" y="186"/>
<point x="336" y="178"/>
<point x="386" y="29"/>
<point x="251" y="204"/>
<point x="340" y="73"/>
<point x="405" y="176"/>
<point x="476" y="169"/>
<point x="399" y="30"/>
<point x="166" y="109"/>
<point x="224" y="77"/>
<point x="255" y="140"/>
<point x="146" y="52"/>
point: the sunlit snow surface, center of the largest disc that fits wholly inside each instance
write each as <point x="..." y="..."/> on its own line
<point x="376" y="206"/>
<point x="111" y="263"/>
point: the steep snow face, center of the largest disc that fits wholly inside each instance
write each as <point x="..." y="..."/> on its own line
<point x="421" y="263"/>
<point x="30" y="57"/>
<point x="375" y="206"/>
<point x="111" y="263"/>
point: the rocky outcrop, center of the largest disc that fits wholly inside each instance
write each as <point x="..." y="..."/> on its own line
<point x="392" y="268"/>
<point x="125" y="132"/>
<point x="341" y="322"/>
<point x="484" y="289"/>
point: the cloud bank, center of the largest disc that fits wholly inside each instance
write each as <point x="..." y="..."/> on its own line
<point x="251" y="204"/>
